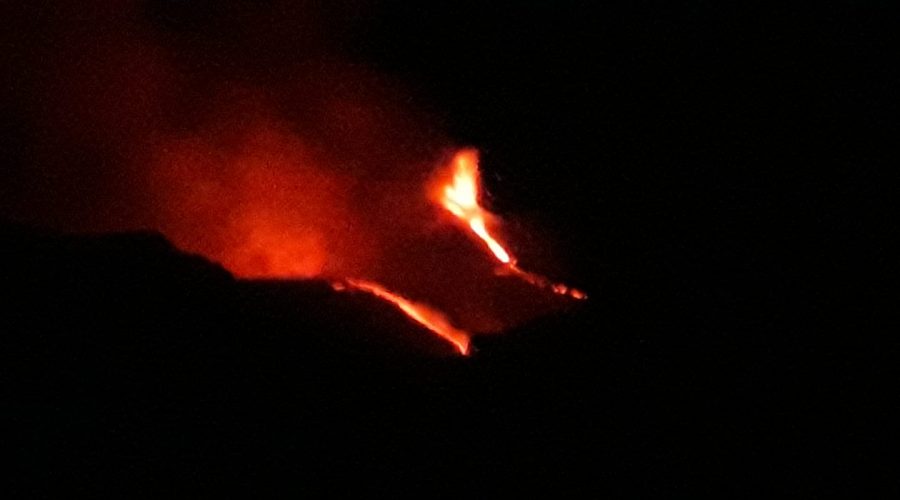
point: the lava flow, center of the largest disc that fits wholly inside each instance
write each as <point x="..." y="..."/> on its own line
<point x="460" y="197"/>
<point x="424" y="314"/>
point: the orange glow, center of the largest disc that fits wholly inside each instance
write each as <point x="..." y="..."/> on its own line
<point x="542" y="282"/>
<point x="423" y="314"/>
<point x="460" y="198"/>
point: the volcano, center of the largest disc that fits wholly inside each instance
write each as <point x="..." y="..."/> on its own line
<point x="313" y="247"/>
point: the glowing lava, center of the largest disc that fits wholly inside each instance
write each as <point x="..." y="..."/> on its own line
<point x="424" y="314"/>
<point x="460" y="197"/>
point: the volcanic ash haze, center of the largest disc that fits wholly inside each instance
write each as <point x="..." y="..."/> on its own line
<point x="243" y="135"/>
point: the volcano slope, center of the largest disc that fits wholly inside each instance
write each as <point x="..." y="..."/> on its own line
<point x="134" y="369"/>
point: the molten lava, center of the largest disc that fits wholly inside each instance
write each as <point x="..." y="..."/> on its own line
<point x="460" y="197"/>
<point x="424" y="314"/>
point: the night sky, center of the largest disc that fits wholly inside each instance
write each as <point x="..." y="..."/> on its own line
<point x="712" y="175"/>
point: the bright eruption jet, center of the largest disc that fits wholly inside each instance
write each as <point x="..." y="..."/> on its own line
<point x="460" y="197"/>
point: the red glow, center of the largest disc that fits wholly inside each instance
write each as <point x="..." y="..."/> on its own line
<point x="261" y="204"/>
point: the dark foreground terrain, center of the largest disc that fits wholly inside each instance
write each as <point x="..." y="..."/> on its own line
<point x="132" y="369"/>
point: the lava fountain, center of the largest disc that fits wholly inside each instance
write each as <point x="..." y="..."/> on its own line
<point x="460" y="197"/>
